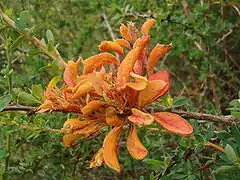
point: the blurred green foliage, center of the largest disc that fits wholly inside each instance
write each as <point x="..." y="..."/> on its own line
<point x="204" y="65"/>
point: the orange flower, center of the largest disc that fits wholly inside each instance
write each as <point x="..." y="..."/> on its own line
<point x="114" y="92"/>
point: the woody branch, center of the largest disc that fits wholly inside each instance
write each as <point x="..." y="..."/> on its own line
<point x="228" y="119"/>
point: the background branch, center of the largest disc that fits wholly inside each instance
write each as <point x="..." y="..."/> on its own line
<point x="54" y="54"/>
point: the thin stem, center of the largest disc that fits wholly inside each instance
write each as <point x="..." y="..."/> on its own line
<point x="9" y="67"/>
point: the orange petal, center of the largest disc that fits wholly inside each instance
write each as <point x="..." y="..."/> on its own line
<point x="147" y="26"/>
<point x="111" y="46"/>
<point x="71" y="72"/>
<point x="111" y="117"/>
<point x="110" y="148"/>
<point x="69" y="139"/>
<point x="158" y="52"/>
<point x="97" y="159"/>
<point x="134" y="145"/>
<point x="123" y="74"/>
<point x="134" y="33"/>
<point x="100" y="86"/>
<point x="140" y="63"/>
<point x="140" y="118"/>
<point x="139" y="84"/>
<point x="123" y="43"/>
<point x="72" y="125"/>
<point x="151" y="92"/>
<point x="173" y="123"/>
<point x="125" y="32"/>
<point x="99" y="60"/>
<point x="163" y="76"/>
<point x="82" y="90"/>
<point x="92" y="106"/>
<point x="74" y="129"/>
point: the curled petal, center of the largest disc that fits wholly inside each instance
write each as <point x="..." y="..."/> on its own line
<point x="92" y="106"/>
<point x="147" y="26"/>
<point x="123" y="74"/>
<point x="71" y="72"/>
<point x="111" y="46"/>
<point x="139" y="84"/>
<point x="123" y="43"/>
<point x="74" y="129"/>
<point x="111" y="117"/>
<point x="163" y="76"/>
<point x="140" y="63"/>
<point x="125" y="32"/>
<point x="97" y="159"/>
<point x="46" y="106"/>
<point x="131" y="96"/>
<point x="134" y="145"/>
<point x="140" y="118"/>
<point x="173" y="123"/>
<point x="99" y="60"/>
<point x="151" y="92"/>
<point x="82" y="90"/>
<point x="72" y="125"/>
<point x="158" y="52"/>
<point x="110" y="148"/>
<point x="133" y="31"/>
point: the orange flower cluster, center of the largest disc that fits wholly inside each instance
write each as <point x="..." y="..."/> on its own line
<point x="113" y="92"/>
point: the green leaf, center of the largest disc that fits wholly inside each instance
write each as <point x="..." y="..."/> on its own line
<point x="27" y="99"/>
<point x="223" y="169"/>
<point x="235" y="130"/>
<point x="231" y="155"/>
<point x="50" y="36"/>
<point x="180" y="102"/>
<point x="235" y="103"/>
<point x="17" y="42"/>
<point x="50" y="46"/>
<point x="24" y="16"/>
<point x="5" y="100"/>
<point x="37" y="91"/>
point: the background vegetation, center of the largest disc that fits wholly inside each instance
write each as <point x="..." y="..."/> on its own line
<point x="204" y="65"/>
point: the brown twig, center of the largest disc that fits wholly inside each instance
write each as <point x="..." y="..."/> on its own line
<point x="195" y="115"/>
<point x="203" y="116"/>
<point x="54" y="54"/>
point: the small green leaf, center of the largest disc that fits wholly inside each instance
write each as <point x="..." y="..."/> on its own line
<point x="50" y="46"/>
<point x="49" y="35"/>
<point x="5" y="100"/>
<point x="223" y="169"/>
<point x="180" y="102"/>
<point x="24" y="15"/>
<point x="231" y="155"/>
<point x="235" y="103"/>
<point x="27" y="99"/>
<point x="17" y="42"/>
<point x="37" y="91"/>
